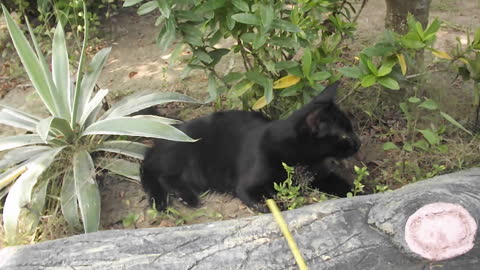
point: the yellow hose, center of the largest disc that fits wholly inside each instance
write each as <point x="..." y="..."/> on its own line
<point x="284" y="228"/>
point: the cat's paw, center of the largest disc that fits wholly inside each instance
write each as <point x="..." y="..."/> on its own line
<point x="260" y="207"/>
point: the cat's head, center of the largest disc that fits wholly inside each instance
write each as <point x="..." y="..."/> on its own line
<point x="322" y="129"/>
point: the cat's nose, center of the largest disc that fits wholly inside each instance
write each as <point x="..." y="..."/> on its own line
<point x="353" y="141"/>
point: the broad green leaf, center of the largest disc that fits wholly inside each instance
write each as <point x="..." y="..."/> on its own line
<point x="90" y="79"/>
<point x="257" y="77"/>
<point x="122" y="167"/>
<point x="422" y="144"/>
<point x="18" y="155"/>
<point x="217" y="55"/>
<point x="404" y="108"/>
<point x="215" y="38"/>
<point x="163" y="120"/>
<point x="41" y="58"/>
<point x="247" y="18"/>
<point x="240" y="88"/>
<point x="20" y="193"/>
<point x="454" y="122"/>
<point x="15" y="118"/>
<point x="93" y="105"/>
<point x="176" y="54"/>
<point x="352" y="72"/>
<point x="368" y="80"/>
<point x="432" y="138"/>
<point x="476" y="39"/>
<point x="142" y="127"/>
<point x="164" y="8"/>
<point x="433" y="27"/>
<point x="441" y="54"/>
<point x="307" y="62"/>
<point x="286" y="26"/>
<point x="229" y="20"/>
<point x="210" y="5"/>
<point x="295" y="71"/>
<point x="413" y="99"/>
<point x="61" y="73"/>
<point x="45" y="126"/>
<point x="407" y="147"/>
<point x="167" y="35"/>
<point x="429" y="105"/>
<point x="402" y="63"/>
<point x="282" y="65"/>
<point x="283" y="42"/>
<point x="19" y="140"/>
<point x="68" y="200"/>
<point x="259" y="41"/>
<point x="292" y="90"/>
<point x="31" y="63"/>
<point x="140" y="101"/>
<point x="212" y="87"/>
<point x="260" y="103"/>
<point x="203" y="56"/>
<point x="389" y="146"/>
<point x="37" y="202"/>
<point x="7" y="177"/>
<point x="320" y="76"/>
<point x="78" y="94"/>
<point x="248" y="37"/>
<point x="285" y="82"/>
<point x="380" y="49"/>
<point x="233" y="77"/>
<point x="242" y="5"/>
<point x="412" y="43"/>
<point x="129" y="3"/>
<point x="266" y="16"/>
<point x="386" y="68"/>
<point x="371" y="66"/>
<point x="268" y="91"/>
<point x="86" y="190"/>
<point x="192" y="35"/>
<point x="419" y="28"/>
<point x="127" y="148"/>
<point x="147" y="7"/>
<point x="389" y="83"/>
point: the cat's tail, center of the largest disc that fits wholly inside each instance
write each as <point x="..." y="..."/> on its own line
<point x="157" y="193"/>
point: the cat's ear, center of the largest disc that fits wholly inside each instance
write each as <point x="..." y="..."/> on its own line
<point x="328" y="94"/>
<point x="313" y="124"/>
<point x="323" y="99"/>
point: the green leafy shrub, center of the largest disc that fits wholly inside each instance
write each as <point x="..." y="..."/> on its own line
<point x="68" y="12"/>
<point x="58" y="150"/>
<point x="292" y="47"/>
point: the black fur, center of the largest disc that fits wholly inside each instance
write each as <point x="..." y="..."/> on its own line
<point x="242" y="152"/>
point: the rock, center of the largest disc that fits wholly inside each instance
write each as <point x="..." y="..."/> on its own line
<point x="365" y="232"/>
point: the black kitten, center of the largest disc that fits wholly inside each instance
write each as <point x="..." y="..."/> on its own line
<point x="242" y="152"/>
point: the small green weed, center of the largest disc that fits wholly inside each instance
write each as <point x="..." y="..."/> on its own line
<point x="130" y="220"/>
<point x="287" y="193"/>
<point x="358" y="185"/>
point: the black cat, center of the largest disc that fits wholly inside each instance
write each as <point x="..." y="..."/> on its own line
<point x="242" y="152"/>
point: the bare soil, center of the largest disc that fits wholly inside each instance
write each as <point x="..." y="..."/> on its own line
<point x="136" y="64"/>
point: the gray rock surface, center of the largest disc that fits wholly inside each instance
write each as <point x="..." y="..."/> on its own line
<point x="365" y="232"/>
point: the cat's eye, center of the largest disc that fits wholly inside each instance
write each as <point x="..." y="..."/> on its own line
<point x="344" y="137"/>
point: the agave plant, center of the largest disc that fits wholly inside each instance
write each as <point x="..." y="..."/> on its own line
<point x="67" y="138"/>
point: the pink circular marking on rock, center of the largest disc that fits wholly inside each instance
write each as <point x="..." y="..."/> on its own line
<point x="440" y="231"/>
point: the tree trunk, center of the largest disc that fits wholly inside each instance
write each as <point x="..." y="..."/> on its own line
<point x="397" y="11"/>
<point x="364" y="232"/>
